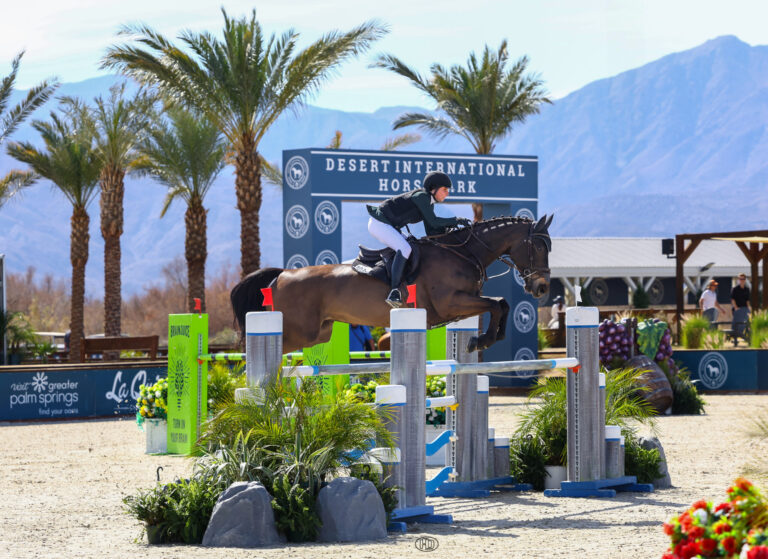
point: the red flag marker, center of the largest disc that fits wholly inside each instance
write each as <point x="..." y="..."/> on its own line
<point x="267" y="292"/>
<point x="575" y="369"/>
<point x="411" y="295"/>
<point x="198" y="305"/>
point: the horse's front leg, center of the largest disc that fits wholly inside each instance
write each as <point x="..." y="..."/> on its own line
<point x="465" y="304"/>
<point x="502" y="332"/>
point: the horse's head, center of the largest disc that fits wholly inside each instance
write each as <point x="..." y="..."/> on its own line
<point x="531" y="257"/>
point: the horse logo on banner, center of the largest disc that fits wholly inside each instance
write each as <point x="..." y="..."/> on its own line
<point x="297" y="221"/>
<point x="713" y="370"/>
<point x="327" y="217"/>
<point x="524" y="317"/>
<point x="296" y="172"/>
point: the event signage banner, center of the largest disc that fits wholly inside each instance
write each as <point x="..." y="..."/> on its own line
<point x="317" y="181"/>
<point x="56" y="394"/>
<point x="187" y="380"/>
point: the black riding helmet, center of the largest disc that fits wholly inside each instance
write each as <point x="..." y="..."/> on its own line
<point x="435" y="180"/>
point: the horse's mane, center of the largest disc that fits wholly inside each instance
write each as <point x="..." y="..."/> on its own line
<point x="480" y="227"/>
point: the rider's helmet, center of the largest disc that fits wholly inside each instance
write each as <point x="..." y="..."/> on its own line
<point x="435" y="180"/>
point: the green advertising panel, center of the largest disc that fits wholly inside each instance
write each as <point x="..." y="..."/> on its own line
<point x="333" y="352"/>
<point x="436" y="344"/>
<point x="187" y="380"/>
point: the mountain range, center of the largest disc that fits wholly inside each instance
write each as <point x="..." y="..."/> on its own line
<point x="678" y="145"/>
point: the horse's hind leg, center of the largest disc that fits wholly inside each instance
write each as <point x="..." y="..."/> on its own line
<point x="502" y="332"/>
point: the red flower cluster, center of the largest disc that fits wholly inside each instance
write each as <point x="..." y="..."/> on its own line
<point x="739" y="525"/>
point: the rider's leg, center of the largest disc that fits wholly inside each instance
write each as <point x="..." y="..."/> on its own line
<point x="393" y="239"/>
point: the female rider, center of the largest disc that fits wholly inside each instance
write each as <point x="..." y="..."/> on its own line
<point x="410" y="207"/>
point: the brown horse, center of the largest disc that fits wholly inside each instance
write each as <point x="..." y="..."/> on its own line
<point x="451" y="274"/>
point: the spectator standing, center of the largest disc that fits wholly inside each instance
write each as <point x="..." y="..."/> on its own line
<point x="708" y="302"/>
<point x="360" y="338"/>
<point x="740" y="295"/>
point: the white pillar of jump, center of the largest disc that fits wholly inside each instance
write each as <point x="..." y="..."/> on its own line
<point x="263" y="346"/>
<point x="584" y="440"/>
<point x="391" y="400"/>
<point x="408" y="335"/>
<point x="601" y="421"/>
<point x="459" y="451"/>
<point x="612" y="451"/>
<point x="490" y="453"/>
<point x="501" y="457"/>
<point x="480" y="430"/>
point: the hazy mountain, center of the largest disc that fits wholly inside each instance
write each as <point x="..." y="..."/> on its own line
<point x="678" y="145"/>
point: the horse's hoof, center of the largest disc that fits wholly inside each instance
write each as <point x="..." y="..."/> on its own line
<point x="472" y="344"/>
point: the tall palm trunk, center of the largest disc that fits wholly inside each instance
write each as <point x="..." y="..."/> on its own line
<point x="112" y="190"/>
<point x="195" y="251"/>
<point x="78" y="255"/>
<point x="248" y="190"/>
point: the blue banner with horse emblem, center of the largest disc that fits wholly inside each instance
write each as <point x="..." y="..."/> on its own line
<point x="725" y="369"/>
<point x="316" y="181"/>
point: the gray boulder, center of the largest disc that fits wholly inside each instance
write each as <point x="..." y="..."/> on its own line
<point x="242" y="517"/>
<point x="665" y="481"/>
<point x="351" y="510"/>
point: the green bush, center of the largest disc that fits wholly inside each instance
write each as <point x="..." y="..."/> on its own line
<point x="640" y="299"/>
<point x="175" y="512"/>
<point x="686" y="398"/>
<point x="693" y="330"/>
<point x="294" y="508"/>
<point x="223" y="380"/>
<point x="528" y="461"/>
<point x="759" y="327"/>
<point x="714" y="339"/>
<point x="544" y="342"/>
<point x="640" y="462"/>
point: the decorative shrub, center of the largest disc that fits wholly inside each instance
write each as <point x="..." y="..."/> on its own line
<point x="223" y="380"/>
<point x="693" y="329"/>
<point x="687" y="400"/>
<point x="366" y="392"/>
<point x="643" y="463"/>
<point x="734" y="528"/>
<point x="528" y="460"/>
<point x="175" y="512"/>
<point x="759" y="327"/>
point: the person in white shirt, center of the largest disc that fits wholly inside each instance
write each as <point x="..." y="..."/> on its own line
<point x="708" y="302"/>
<point x="557" y="308"/>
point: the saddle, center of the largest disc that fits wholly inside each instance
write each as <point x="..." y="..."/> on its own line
<point x="377" y="263"/>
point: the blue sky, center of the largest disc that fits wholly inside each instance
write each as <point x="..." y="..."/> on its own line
<point x="570" y="43"/>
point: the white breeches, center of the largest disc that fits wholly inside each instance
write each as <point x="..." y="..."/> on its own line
<point x="389" y="236"/>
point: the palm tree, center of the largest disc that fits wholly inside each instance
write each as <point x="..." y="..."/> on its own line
<point x="186" y="155"/>
<point x="71" y="163"/>
<point x="274" y="175"/>
<point x="480" y="102"/>
<point x="118" y="124"/>
<point x="242" y="83"/>
<point x="10" y="120"/>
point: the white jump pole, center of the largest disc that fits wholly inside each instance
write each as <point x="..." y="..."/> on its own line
<point x="263" y="346"/>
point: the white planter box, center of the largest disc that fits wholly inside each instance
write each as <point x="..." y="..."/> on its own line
<point x="157" y="436"/>
<point x="555" y="475"/>
<point x="431" y="432"/>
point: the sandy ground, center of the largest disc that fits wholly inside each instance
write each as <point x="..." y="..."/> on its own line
<point x="62" y="485"/>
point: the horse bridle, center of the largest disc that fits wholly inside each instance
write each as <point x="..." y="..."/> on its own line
<point x="525" y="273"/>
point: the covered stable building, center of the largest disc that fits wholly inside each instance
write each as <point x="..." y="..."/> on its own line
<point x="609" y="269"/>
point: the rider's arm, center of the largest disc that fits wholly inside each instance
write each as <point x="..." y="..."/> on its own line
<point x="431" y="221"/>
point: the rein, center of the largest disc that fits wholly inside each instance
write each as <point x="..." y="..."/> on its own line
<point x="525" y="273"/>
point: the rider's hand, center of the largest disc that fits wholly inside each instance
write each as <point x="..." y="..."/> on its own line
<point x="463" y="221"/>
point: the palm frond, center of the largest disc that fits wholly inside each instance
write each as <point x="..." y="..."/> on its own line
<point x="35" y="97"/>
<point x="271" y="172"/>
<point x="12" y="183"/>
<point x="392" y="144"/>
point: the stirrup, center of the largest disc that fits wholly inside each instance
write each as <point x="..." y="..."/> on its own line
<point x="394" y="299"/>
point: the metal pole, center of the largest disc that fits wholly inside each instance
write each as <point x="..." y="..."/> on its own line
<point x="391" y="401"/>
<point x="480" y="430"/>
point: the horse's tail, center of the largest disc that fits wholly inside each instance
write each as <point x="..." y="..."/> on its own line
<point x="246" y="296"/>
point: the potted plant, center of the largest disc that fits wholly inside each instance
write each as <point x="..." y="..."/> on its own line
<point x="152" y="406"/>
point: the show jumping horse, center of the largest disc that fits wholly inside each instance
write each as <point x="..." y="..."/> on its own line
<point x="450" y="276"/>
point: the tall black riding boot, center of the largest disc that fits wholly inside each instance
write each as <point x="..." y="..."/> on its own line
<point x="394" y="299"/>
